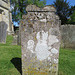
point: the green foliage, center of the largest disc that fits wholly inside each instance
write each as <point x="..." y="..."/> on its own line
<point x="72" y="18"/>
<point x="71" y="10"/>
<point x="62" y="7"/>
<point x="20" y="7"/>
<point x="37" y="2"/>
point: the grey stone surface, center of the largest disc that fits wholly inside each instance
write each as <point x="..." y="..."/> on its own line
<point x="15" y="40"/>
<point x="18" y="37"/>
<point x="6" y="15"/>
<point x="67" y="36"/>
<point x="3" y="32"/>
<point x="40" y="41"/>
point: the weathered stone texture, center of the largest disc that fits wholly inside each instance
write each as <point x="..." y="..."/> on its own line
<point x="18" y="38"/>
<point x="6" y="16"/>
<point x="3" y="32"/>
<point x="15" y="40"/>
<point x="40" y="41"/>
<point x="68" y="36"/>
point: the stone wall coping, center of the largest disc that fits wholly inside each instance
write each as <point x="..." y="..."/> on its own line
<point x="68" y="25"/>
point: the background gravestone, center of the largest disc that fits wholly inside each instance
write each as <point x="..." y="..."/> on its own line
<point x="40" y="41"/>
<point x="18" y="33"/>
<point x="3" y="32"/>
<point x="17" y="38"/>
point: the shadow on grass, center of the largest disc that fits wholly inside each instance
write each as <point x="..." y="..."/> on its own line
<point x="17" y="63"/>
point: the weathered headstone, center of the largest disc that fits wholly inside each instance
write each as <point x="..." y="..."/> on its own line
<point x="40" y="41"/>
<point x="18" y="37"/>
<point x="14" y="42"/>
<point x="3" y="32"/>
<point x="19" y="42"/>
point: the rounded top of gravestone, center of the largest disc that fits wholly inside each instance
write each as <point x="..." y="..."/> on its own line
<point x="34" y="8"/>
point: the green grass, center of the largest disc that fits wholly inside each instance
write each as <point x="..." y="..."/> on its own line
<point x="10" y="59"/>
<point x="67" y="62"/>
<point x="7" y="53"/>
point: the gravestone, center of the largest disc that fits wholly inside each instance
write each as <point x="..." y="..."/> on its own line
<point x="40" y="41"/>
<point x="15" y="39"/>
<point x="19" y="43"/>
<point x="3" y="32"/>
<point x="17" y="33"/>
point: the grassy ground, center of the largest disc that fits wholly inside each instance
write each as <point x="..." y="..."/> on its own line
<point x="10" y="59"/>
<point x="67" y="62"/>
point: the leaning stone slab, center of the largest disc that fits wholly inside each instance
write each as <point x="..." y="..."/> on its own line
<point x="40" y="41"/>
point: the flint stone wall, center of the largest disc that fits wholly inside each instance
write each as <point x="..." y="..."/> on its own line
<point x="67" y="36"/>
<point x="3" y="32"/>
<point x="40" y="41"/>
